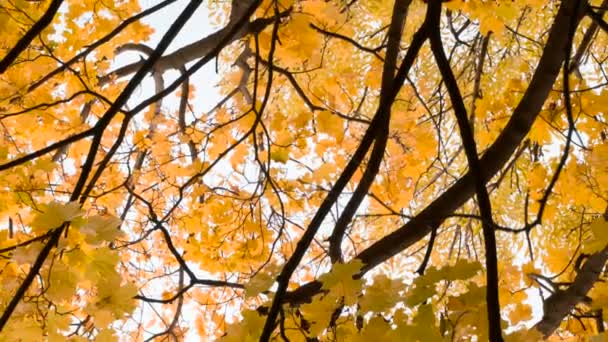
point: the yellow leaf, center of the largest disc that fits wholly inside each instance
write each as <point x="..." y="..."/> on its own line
<point x="599" y="296"/>
<point x="112" y="302"/>
<point x="280" y="155"/>
<point x="23" y="330"/>
<point x="301" y="119"/>
<point x="106" y="335"/>
<point x="375" y="330"/>
<point x="318" y="313"/>
<point x="382" y="295"/>
<point x="326" y="13"/>
<point x="521" y="312"/>
<point x="55" y="214"/>
<point x="425" y="322"/>
<point x="27" y="254"/>
<point x="260" y="282"/>
<point x="249" y="329"/>
<point x="102" y="265"/>
<point x="63" y="281"/>
<point x="330" y="124"/>
<point x="98" y="229"/>
<point x="599" y="238"/>
<point x="340" y="280"/>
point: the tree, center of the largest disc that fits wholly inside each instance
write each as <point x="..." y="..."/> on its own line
<point x="374" y="170"/>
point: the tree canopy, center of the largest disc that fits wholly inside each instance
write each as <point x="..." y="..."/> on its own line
<point x="368" y="170"/>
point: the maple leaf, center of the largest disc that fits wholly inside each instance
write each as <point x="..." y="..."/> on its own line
<point x="318" y="313"/>
<point x="382" y="295"/>
<point x="340" y="280"/>
<point x="112" y="301"/>
<point x="376" y="329"/>
<point x="599" y="236"/>
<point x="54" y="214"/>
<point x="280" y="155"/>
<point x="63" y="282"/>
<point x="259" y="283"/>
<point x="98" y="229"/>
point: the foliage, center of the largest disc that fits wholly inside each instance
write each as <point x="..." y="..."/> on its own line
<point x="371" y="170"/>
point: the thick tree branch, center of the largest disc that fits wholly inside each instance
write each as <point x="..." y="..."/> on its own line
<point x="207" y="48"/>
<point x="200" y="48"/>
<point x="492" y="161"/>
<point x="561" y="302"/>
<point x="597" y="19"/>
<point x="496" y="156"/>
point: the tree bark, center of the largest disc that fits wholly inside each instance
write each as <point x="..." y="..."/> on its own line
<point x="561" y="302"/>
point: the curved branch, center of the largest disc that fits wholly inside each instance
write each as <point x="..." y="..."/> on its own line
<point x="235" y="30"/>
<point x="101" y="41"/>
<point x="348" y="40"/>
<point x="496" y="156"/>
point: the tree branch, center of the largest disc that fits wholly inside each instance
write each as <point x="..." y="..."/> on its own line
<point x="388" y="77"/>
<point x="27" y="38"/>
<point x="597" y="19"/>
<point x="561" y="302"/>
<point x="496" y="156"/>
<point x="470" y="148"/>
<point x="200" y="48"/>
